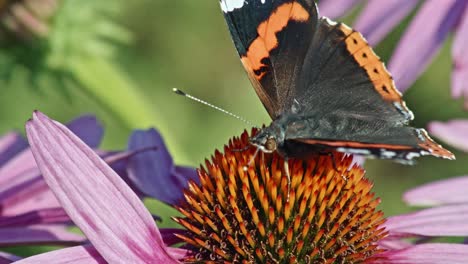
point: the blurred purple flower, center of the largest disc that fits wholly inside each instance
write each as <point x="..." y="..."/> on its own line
<point x="454" y="132"/>
<point x="121" y="230"/>
<point x="422" y="39"/>
<point x="448" y="217"/>
<point x="29" y="211"/>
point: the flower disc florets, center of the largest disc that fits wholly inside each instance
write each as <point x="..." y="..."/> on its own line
<point x="246" y="216"/>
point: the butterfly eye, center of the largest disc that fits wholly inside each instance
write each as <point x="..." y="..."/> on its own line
<point x="270" y="144"/>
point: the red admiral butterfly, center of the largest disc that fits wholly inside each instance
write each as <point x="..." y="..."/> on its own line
<point x="322" y="84"/>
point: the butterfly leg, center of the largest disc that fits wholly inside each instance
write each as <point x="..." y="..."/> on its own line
<point x="288" y="175"/>
<point x="332" y="156"/>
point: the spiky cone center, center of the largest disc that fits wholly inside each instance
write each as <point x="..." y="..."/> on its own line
<point x="245" y="216"/>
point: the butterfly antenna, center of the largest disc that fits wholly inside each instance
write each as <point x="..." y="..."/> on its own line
<point x="180" y="92"/>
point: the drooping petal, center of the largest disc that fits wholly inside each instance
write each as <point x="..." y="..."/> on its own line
<point x="186" y="174"/>
<point x="460" y="58"/>
<point x="6" y="258"/>
<point x="88" y="129"/>
<point x="450" y="220"/>
<point x="73" y="255"/>
<point x="179" y="253"/>
<point x="10" y="145"/>
<point x="36" y="217"/>
<point x="448" y="191"/>
<point x="379" y="17"/>
<point x="94" y="196"/>
<point x="433" y="253"/>
<point x="392" y="243"/>
<point x="423" y="39"/>
<point x="453" y="132"/>
<point x="84" y="255"/>
<point x="19" y="169"/>
<point x="38" y="235"/>
<point x="22" y="186"/>
<point x="153" y="171"/>
<point x="335" y="8"/>
<point x="26" y="194"/>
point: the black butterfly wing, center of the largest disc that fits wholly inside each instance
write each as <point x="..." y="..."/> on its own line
<point x="348" y="100"/>
<point x="272" y="38"/>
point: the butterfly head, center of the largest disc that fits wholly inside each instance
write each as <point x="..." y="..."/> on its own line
<point x="267" y="139"/>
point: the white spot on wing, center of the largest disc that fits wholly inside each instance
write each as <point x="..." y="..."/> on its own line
<point x="412" y="155"/>
<point x="329" y="21"/>
<point x="387" y="154"/>
<point x="354" y="151"/>
<point x="230" y="5"/>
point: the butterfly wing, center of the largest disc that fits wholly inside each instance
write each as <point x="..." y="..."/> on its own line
<point x="272" y="38"/>
<point x="349" y="102"/>
<point x="326" y="73"/>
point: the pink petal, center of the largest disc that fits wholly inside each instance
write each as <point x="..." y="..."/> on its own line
<point x="379" y="17"/>
<point x="19" y="169"/>
<point x="22" y="188"/>
<point x="179" y="253"/>
<point x="84" y="255"/>
<point x="36" y="217"/>
<point x="460" y="58"/>
<point x="433" y="253"/>
<point x="454" y="132"/>
<point x="392" y="243"/>
<point x="94" y="196"/>
<point x="6" y="258"/>
<point x="58" y="235"/>
<point x="423" y="39"/>
<point x="450" y="220"/>
<point x="73" y="255"/>
<point x="27" y="194"/>
<point x="10" y="145"/>
<point x="335" y="8"/>
<point x="449" y="191"/>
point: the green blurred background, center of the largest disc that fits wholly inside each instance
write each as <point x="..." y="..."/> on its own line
<point x="185" y="44"/>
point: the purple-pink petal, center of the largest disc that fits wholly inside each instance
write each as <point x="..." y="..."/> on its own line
<point x="379" y="17"/>
<point x="28" y="194"/>
<point x="454" y="132"/>
<point x="433" y="253"/>
<point x="335" y="8"/>
<point x="39" y="234"/>
<point x="447" y="191"/>
<point x="36" y="217"/>
<point x="423" y="39"/>
<point x="10" y="145"/>
<point x="6" y="258"/>
<point x="99" y="202"/>
<point x="73" y="255"/>
<point x="450" y="220"/>
<point x="85" y="255"/>
<point x="460" y="58"/>
<point x="22" y="188"/>
<point x="153" y="171"/>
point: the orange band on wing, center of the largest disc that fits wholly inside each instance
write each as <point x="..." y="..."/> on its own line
<point x="432" y="147"/>
<point x="353" y="144"/>
<point x="367" y="59"/>
<point x="266" y="41"/>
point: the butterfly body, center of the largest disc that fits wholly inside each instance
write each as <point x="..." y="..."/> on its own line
<point x="322" y="84"/>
